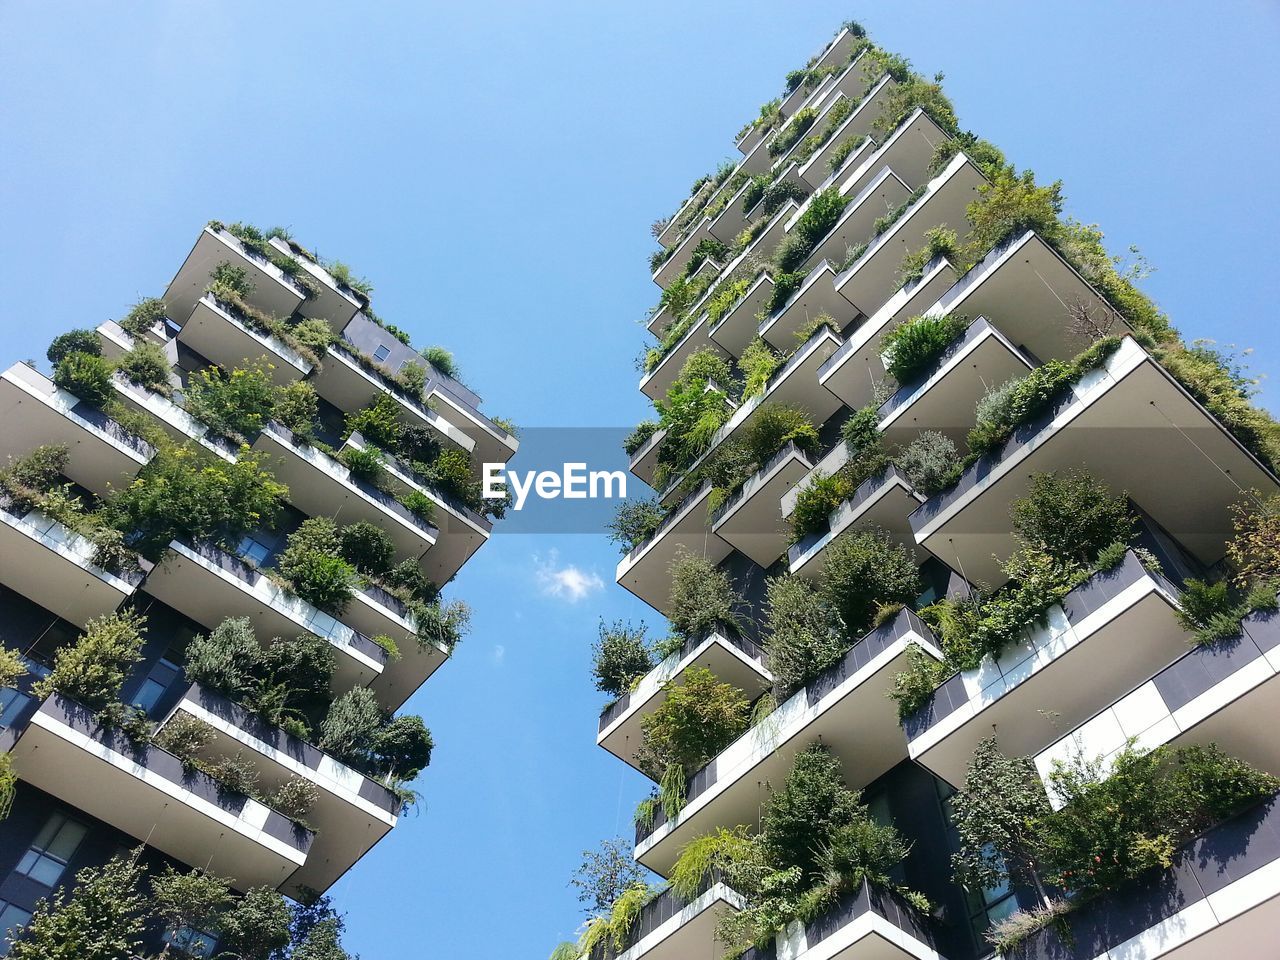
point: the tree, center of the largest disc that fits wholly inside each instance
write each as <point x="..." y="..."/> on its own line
<point x="801" y="638"/>
<point x="1071" y="516"/>
<point x="257" y="927"/>
<point x="225" y="659"/>
<point x="702" y="597"/>
<point x="804" y="815"/>
<point x="1255" y="548"/>
<point x="366" y="547"/>
<point x="620" y="657"/>
<point x="102" y="918"/>
<point x="698" y="719"/>
<point x="196" y="899"/>
<point x="293" y="677"/>
<point x="634" y="521"/>
<point x="92" y="670"/>
<point x="604" y="874"/>
<point x="402" y="748"/>
<point x="998" y="816"/>
<point x="351" y="728"/>
<point x="865" y="570"/>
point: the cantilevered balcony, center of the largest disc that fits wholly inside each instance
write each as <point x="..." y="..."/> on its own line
<point x="209" y="585"/>
<point x="734" y="218"/>
<point x="884" y="193"/>
<point x="846" y="707"/>
<point x="737" y="327"/>
<point x="352" y="811"/>
<point x="172" y="418"/>
<point x="273" y="292"/>
<point x="52" y="566"/>
<point x="750" y="519"/>
<point x="646" y="570"/>
<point x="101" y="453"/>
<point x="855" y="371"/>
<point x="655" y="383"/>
<point x="350" y="382"/>
<point x="645" y="460"/>
<point x="115" y="342"/>
<point x="1220" y="898"/>
<point x="1213" y="694"/>
<point x="858" y="124"/>
<point x="146" y="793"/>
<point x="333" y="302"/>
<point x="214" y="331"/>
<point x="907" y="151"/>
<point x="320" y="486"/>
<point x="795" y="383"/>
<point x="874" y="276"/>
<point x="661" y="319"/>
<point x="816" y="297"/>
<point x="672" y="928"/>
<point x="864" y="924"/>
<point x="460" y="531"/>
<point x="1034" y="296"/>
<point x="944" y="398"/>
<point x="492" y="443"/>
<point x="733" y="659"/>
<point x="1108" y="633"/>
<point x="883" y="501"/>
<point x="674" y="265"/>
<point x="1128" y="423"/>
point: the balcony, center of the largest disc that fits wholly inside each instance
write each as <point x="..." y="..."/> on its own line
<point x="858" y="124"/>
<point x="460" y="531"/>
<point x="657" y="381"/>
<point x="351" y="382"/>
<point x="672" y="928"/>
<point x="945" y="397"/>
<point x="816" y="297"/>
<point x="209" y="585"/>
<point x="273" y="292"/>
<point x="1128" y="423"/>
<point x="1220" y="898"/>
<point x="1112" y="630"/>
<point x="145" y="792"/>
<point x="1211" y="694"/>
<point x="661" y="320"/>
<point x="101" y="453"/>
<point x="856" y="369"/>
<point x="1032" y="294"/>
<point x="907" y="151"/>
<point x="733" y="659"/>
<point x="871" y="280"/>
<point x="733" y="219"/>
<point x="738" y="326"/>
<point x="863" y="924"/>
<point x="116" y="343"/>
<point x="492" y="443"/>
<point x="750" y="520"/>
<point x="845" y="707"/>
<point x="333" y="302"/>
<point x="882" y="194"/>
<point x="320" y="486"/>
<point x="674" y="265"/>
<point x="884" y="500"/>
<point x="645" y="571"/>
<point x="172" y="419"/>
<point x="52" y="566"/>
<point x="645" y="460"/>
<point x="352" y="811"/>
<point x="217" y="334"/>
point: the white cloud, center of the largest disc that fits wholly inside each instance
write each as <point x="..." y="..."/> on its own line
<point x="498" y="655"/>
<point x="568" y="582"/>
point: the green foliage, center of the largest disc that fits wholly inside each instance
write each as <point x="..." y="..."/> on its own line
<point x="93" y="669"/>
<point x="706" y="856"/>
<point x="801" y="636"/>
<point x="402" y="748"/>
<point x="12" y="668"/>
<point x="256" y="927"/>
<point x="939" y="241"/>
<point x="365" y="462"/>
<point x="773" y="426"/>
<point x="196" y="899"/>
<point x="350" y="730"/>
<point x="699" y="717"/>
<point x="911" y="92"/>
<point x="604" y="875"/>
<point x="86" y="375"/>
<point x="1254" y="550"/>
<point x="296" y="407"/>
<point x="620" y="657"/>
<point x="440" y="624"/>
<point x="634" y="521"/>
<point x="915" y="347"/>
<point x="229" y="281"/>
<point x="815" y="223"/>
<point x="224" y="659"/>
<point x="234" y="404"/>
<point x="8" y="785"/>
<point x="367" y="547"/>
<point x="1010" y="205"/>
<point x="758" y="363"/>
<point x="345" y="277"/>
<point x="930" y="462"/>
<point x="790" y="135"/>
<point x="313" y="334"/>
<point x="568" y="950"/>
<point x="442" y="360"/>
<point x="72" y="342"/>
<point x="146" y="365"/>
<point x="313" y="568"/>
<point x="143" y="315"/>
<point x="914" y="684"/>
<point x="185" y="737"/>
<point x="102" y="919"/>
<point x="1071" y="516"/>
<point x="235" y="773"/>
<point x="865" y="569"/>
<point x="703" y="598"/>
<point x="379" y="422"/>
<point x="638" y="437"/>
<point x="614" y="928"/>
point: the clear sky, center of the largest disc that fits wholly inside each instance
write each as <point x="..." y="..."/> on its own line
<point x="493" y="168"/>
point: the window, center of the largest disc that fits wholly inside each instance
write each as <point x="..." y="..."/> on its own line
<point x="381" y="353"/>
<point x="12" y="919"/>
<point x="254" y="551"/>
<point x="46" y="859"/>
<point x="11" y="703"/>
<point x="192" y="943"/>
<point x="159" y="679"/>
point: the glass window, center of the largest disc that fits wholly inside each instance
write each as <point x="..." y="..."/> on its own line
<point x="254" y="551"/>
<point x="158" y="680"/>
<point x="12" y="920"/>
<point x="46" y="859"/>
<point x="381" y="353"/>
<point x="11" y="703"/>
<point x="191" y="942"/>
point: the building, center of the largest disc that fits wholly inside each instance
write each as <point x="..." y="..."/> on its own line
<point x="169" y="487"/>
<point x="870" y="322"/>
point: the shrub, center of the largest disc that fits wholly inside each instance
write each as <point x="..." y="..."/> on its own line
<point x="638" y="437"/>
<point x="443" y="624"/>
<point x="101" y="919"/>
<point x="930" y="462"/>
<point x="698" y="719"/>
<point x="143" y="315"/>
<point x="388" y="644"/>
<point x="939" y="241"/>
<point x="146" y="365"/>
<point x="613" y="930"/>
<point x="804" y="814"/>
<point x="73" y="341"/>
<point x="789" y="136"/>
<point x="38" y="471"/>
<point x="865" y="569"/>
<point x="224" y="659"/>
<point x="293" y="679"/>
<point x="257" y="926"/>
<point x="914" y="685"/>
<point x="295" y="798"/>
<point x="702" y="597"/>
<point x="815" y="223"/>
<point x="366" y="547"/>
<point x="634" y="521"/>
<point x="314" y="334"/>
<point x="420" y="505"/>
<point x="1071" y="516"/>
<point x="620" y="657"/>
<point x="351" y="728"/>
<point x="408" y="582"/>
<point x="1254" y="551"/>
<point x="296" y="407"/>
<point x="800" y="636"/>
<point x="401" y="749"/>
<point x="773" y="426"/>
<point x="235" y="773"/>
<point x="12" y="668"/>
<point x="414" y="377"/>
<point x="758" y="363"/>
<point x="311" y="565"/>
<point x="92" y="670"/>
<point x="230" y="282"/>
<point x="915" y="346"/>
<point x="194" y="900"/>
<point x="86" y="375"/>
<point x="604" y="875"/>
<point x="379" y="422"/>
<point x="1010" y="205"/>
<point x="450" y="474"/>
<point x="712" y="854"/>
<point x="235" y="404"/>
<point x="442" y="360"/>
<point x="185" y="736"/>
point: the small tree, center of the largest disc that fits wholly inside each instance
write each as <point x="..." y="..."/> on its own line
<point x="256" y="927"/>
<point x="225" y="659"/>
<point x="998" y="816"/>
<point x="73" y="341"/>
<point x="236" y="404"/>
<point x="604" y="874"/>
<point x="620" y="657"/>
<point x="1255" y="548"/>
<point x="366" y="547"/>
<point x="102" y="918"/>
<point x="402" y="748"/>
<point x="314" y="570"/>
<point x="147" y="366"/>
<point x="1071" y="516"/>
<point x="801" y="637"/>
<point x="929" y="461"/>
<point x="702" y="597"/>
<point x="92" y="670"/>
<point x="350" y="730"/>
<point x="804" y="815"/>
<point x="296" y="406"/>
<point x="293" y="678"/>
<point x="633" y="522"/>
<point x="194" y="899"/>
<point x="698" y="719"/>
<point x="865" y="570"/>
<point x="86" y="375"/>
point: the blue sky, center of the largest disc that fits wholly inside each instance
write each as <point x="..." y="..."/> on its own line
<point x="493" y="168"/>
